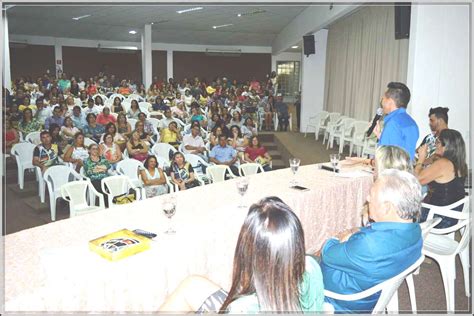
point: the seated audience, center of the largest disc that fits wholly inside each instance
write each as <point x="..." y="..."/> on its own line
<point x="134" y="110"/>
<point x="117" y="105"/>
<point x="104" y="118"/>
<point x="257" y="153"/>
<point x="271" y="271"/>
<point x="197" y="116"/>
<point x="360" y="258"/>
<point x="140" y="128"/>
<point x="238" y="141"/>
<point x="56" y="118"/>
<point x="236" y="120"/>
<point x="445" y="176"/>
<point x="78" y="117"/>
<point x="54" y="131"/>
<point x="68" y="130"/>
<point x="93" y="130"/>
<point x="123" y="127"/>
<point x="27" y="105"/>
<point x="182" y="173"/>
<point x="110" y="150"/>
<point x="77" y="152"/>
<point x="118" y="138"/>
<point x="223" y="154"/>
<point x="171" y="135"/>
<point x="248" y="129"/>
<point x="214" y="137"/>
<point x="165" y="122"/>
<point x="147" y="126"/>
<point x="96" y="168"/>
<point x="137" y="148"/>
<point x="46" y="154"/>
<point x="91" y="107"/>
<point x="28" y="123"/>
<point x="42" y="111"/>
<point x="153" y="178"/>
<point x="194" y="144"/>
<point x="98" y="101"/>
<point x="10" y="137"/>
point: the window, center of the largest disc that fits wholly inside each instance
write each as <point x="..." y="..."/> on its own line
<point x="288" y="77"/>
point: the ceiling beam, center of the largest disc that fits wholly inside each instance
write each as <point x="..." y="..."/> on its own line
<point x="312" y="19"/>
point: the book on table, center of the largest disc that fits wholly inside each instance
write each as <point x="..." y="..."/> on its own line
<point x="119" y="245"/>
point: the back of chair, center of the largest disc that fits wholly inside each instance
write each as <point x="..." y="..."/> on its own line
<point x="360" y="127"/>
<point x="76" y="193"/>
<point x="217" y="172"/>
<point x="132" y="122"/>
<point x="248" y="169"/>
<point x="115" y="185"/>
<point x="163" y="162"/>
<point x="163" y="150"/>
<point x="446" y="211"/>
<point x="387" y="288"/>
<point x="34" y="138"/>
<point x="23" y="153"/>
<point x="196" y="162"/>
<point x="428" y="225"/>
<point x="56" y="176"/>
<point x="129" y="168"/>
<point x="88" y="142"/>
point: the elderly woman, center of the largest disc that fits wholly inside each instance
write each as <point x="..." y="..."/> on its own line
<point x="171" y="135"/>
<point x="96" y="168"/>
<point x="445" y="176"/>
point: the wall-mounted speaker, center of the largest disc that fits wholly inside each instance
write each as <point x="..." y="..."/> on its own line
<point x="308" y="45"/>
<point x="402" y="20"/>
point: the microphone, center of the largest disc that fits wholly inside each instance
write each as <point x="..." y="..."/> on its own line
<point x="377" y="117"/>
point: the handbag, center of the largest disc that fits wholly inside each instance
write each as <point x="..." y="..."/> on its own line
<point x="125" y="198"/>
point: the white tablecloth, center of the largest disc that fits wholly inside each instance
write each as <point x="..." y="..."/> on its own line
<point x="49" y="268"/>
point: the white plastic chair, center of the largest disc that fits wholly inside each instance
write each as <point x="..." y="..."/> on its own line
<point x="156" y="123"/>
<point x="358" y="137"/>
<point x="33" y="137"/>
<point x="88" y="141"/>
<point x="370" y="146"/>
<point x="136" y="97"/>
<point x="23" y="153"/>
<point x="132" y="122"/>
<point x="163" y="150"/>
<point x="318" y="122"/>
<point x="276" y="122"/>
<point x="248" y="169"/>
<point x="334" y="130"/>
<point x="333" y="117"/>
<point x="130" y="168"/>
<point x="441" y="246"/>
<point x="55" y="177"/>
<point x="345" y="135"/>
<point x="216" y="173"/>
<point x="388" y="299"/>
<point x="197" y="163"/>
<point x="112" y="97"/>
<point x="145" y="106"/>
<point x="120" y="184"/>
<point x="77" y="193"/>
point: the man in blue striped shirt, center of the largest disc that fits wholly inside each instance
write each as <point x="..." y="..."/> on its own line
<point x="399" y="128"/>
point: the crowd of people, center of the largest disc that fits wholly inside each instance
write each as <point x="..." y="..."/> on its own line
<point x="216" y="121"/>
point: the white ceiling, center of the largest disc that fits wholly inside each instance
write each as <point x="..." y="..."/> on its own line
<point x="113" y="22"/>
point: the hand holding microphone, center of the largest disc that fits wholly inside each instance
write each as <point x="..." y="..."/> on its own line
<point x="375" y="122"/>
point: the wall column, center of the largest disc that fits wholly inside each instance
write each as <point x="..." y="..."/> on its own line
<point x="7" y="77"/>
<point x="169" y="64"/>
<point x="313" y="79"/>
<point x="146" y="56"/>
<point x="58" y="59"/>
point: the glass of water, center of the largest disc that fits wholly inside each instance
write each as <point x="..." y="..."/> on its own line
<point x="169" y="209"/>
<point x="334" y="158"/>
<point x="294" y="165"/>
<point x="242" y="185"/>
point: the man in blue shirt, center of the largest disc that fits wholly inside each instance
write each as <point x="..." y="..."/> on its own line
<point x="56" y="118"/>
<point x="399" y="128"/>
<point x="223" y="154"/>
<point x="360" y="258"/>
<point x="78" y="117"/>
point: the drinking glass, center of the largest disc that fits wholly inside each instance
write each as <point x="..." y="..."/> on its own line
<point x="294" y="164"/>
<point x="169" y="209"/>
<point x="242" y="185"/>
<point x="334" y="161"/>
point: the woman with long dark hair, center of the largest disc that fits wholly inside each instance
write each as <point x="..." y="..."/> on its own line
<point x="270" y="274"/>
<point x="444" y="177"/>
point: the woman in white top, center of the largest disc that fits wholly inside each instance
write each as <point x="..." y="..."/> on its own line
<point x="110" y="150"/>
<point x="153" y="178"/>
<point x="77" y="152"/>
<point x="188" y="98"/>
<point x="68" y="130"/>
<point x="134" y="110"/>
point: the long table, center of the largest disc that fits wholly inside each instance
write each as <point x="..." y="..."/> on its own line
<point x="49" y="268"/>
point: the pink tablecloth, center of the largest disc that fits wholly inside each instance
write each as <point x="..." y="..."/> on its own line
<point x="49" y="268"/>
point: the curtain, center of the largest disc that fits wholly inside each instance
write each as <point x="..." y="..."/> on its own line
<point x="362" y="58"/>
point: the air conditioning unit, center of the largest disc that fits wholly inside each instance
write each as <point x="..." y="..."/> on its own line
<point x="117" y="49"/>
<point x="224" y="52"/>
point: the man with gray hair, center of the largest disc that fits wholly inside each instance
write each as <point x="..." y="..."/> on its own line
<point x="360" y="258"/>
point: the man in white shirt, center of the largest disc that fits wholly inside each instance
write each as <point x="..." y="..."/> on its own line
<point x="194" y="144"/>
<point x="42" y="111"/>
<point x="91" y="108"/>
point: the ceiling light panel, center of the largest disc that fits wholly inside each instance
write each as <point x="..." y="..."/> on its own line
<point x="189" y="10"/>
<point x="81" y="17"/>
<point x="223" y="25"/>
<point x="249" y="13"/>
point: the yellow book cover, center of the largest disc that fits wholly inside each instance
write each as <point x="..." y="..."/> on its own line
<point x="119" y="245"/>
